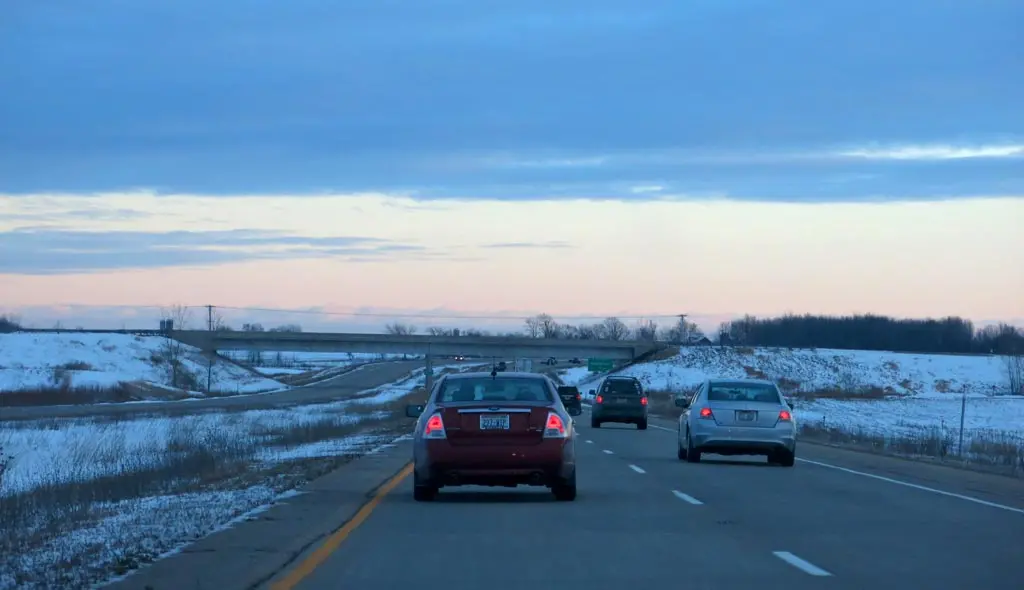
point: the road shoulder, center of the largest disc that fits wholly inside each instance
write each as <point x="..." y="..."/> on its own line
<point x="253" y="551"/>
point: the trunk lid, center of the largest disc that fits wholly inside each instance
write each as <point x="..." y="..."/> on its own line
<point x="490" y="423"/>
<point x="746" y="414"/>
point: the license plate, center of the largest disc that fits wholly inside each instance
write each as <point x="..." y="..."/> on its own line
<point x="494" y="422"/>
<point x="746" y="416"/>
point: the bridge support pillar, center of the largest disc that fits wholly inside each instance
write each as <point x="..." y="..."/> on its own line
<point x="429" y="371"/>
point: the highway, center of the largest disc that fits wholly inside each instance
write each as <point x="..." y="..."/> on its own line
<point x="838" y="519"/>
<point x="345" y="385"/>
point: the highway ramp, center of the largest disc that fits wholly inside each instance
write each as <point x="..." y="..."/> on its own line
<point x="345" y="385"/>
<point x="838" y="519"/>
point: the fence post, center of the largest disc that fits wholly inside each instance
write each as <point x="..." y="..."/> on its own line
<point x="963" y="410"/>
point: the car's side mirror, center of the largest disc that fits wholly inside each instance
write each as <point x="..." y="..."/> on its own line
<point x="592" y="392"/>
<point x="682" y="402"/>
<point x="574" y="411"/>
<point x="414" y="410"/>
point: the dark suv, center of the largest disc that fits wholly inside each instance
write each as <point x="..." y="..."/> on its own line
<point x="620" y="399"/>
<point x="571" y="397"/>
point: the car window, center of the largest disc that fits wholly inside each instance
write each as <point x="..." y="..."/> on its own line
<point x="621" y="387"/>
<point x="486" y="389"/>
<point x="743" y="392"/>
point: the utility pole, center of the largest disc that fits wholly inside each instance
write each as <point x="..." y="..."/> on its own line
<point x="684" y="334"/>
<point x="209" y="358"/>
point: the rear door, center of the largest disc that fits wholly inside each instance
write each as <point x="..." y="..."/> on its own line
<point x="621" y="393"/>
<point x="507" y="423"/>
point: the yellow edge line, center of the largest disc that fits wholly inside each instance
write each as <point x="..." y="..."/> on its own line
<point x="320" y="555"/>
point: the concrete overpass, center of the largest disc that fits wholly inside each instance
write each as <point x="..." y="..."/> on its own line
<point x="487" y="346"/>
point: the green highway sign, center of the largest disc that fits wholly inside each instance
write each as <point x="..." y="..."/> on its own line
<point x="599" y="365"/>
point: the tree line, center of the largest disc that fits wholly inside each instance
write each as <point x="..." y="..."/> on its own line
<point x="852" y="332"/>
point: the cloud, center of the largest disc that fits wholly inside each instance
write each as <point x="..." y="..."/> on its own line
<point x="760" y="101"/>
<point x="522" y="245"/>
<point x="47" y="251"/>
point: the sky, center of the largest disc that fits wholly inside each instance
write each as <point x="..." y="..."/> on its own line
<point x="498" y="159"/>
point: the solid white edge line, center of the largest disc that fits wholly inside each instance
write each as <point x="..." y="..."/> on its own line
<point x="637" y="469"/>
<point x="915" y="486"/>
<point x="805" y="566"/>
<point x="590" y="442"/>
<point x="607" y="452"/>
<point x="687" y="498"/>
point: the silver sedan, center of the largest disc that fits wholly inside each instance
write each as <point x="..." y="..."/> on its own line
<point x="737" y="417"/>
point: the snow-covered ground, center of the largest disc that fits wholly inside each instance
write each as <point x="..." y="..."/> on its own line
<point x="33" y="361"/>
<point x="919" y="390"/>
<point x="152" y="453"/>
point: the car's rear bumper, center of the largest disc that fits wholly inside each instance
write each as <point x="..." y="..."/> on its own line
<point x="616" y="413"/>
<point x="545" y="463"/>
<point x="740" y="440"/>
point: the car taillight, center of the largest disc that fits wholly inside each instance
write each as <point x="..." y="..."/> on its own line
<point x="579" y="396"/>
<point x="643" y="401"/>
<point x="785" y="416"/>
<point x="706" y="414"/>
<point x="435" y="428"/>
<point x="599" y="400"/>
<point x="555" y="427"/>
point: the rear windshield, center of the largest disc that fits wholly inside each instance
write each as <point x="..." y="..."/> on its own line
<point x="621" y="387"/>
<point x="568" y="390"/>
<point x="743" y="392"/>
<point x="488" y="389"/>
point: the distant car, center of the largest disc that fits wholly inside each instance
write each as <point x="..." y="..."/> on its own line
<point x="497" y="429"/>
<point x="571" y="398"/>
<point x="501" y="366"/>
<point x="620" y="399"/>
<point x="576" y="361"/>
<point x="551" y="361"/>
<point x="737" y="417"/>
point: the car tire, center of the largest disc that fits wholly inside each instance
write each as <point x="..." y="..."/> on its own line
<point x="692" y="454"/>
<point x="595" y="423"/>
<point x="423" y="492"/>
<point x="786" y="458"/>
<point x="680" y="451"/>
<point x="565" y="490"/>
<point x="642" y="425"/>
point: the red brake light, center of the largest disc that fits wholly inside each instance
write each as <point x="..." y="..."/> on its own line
<point x="435" y="427"/>
<point x="643" y="401"/>
<point x="578" y="396"/>
<point x="555" y="427"/>
<point x="706" y="413"/>
<point x="785" y="416"/>
<point x="599" y="400"/>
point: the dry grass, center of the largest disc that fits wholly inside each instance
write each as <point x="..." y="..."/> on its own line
<point x="67" y="395"/>
<point x="993" y="451"/>
<point x="194" y="461"/>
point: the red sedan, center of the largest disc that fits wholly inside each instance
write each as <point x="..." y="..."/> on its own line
<point x="497" y="429"/>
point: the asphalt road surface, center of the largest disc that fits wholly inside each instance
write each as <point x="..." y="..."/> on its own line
<point x="345" y="385"/>
<point x="837" y="520"/>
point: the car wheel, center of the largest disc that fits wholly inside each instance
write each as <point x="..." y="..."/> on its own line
<point x="641" y="425"/>
<point x="692" y="454"/>
<point x="565" y="490"/>
<point x="680" y="451"/>
<point x="786" y="458"/>
<point x="595" y="423"/>
<point x="423" y="492"/>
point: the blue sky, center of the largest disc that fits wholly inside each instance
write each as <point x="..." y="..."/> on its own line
<point x="514" y="156"/>
<point x="754" y="99"/>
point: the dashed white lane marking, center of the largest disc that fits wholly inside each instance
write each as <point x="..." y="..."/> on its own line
<point x="637" y="469"/>
<point x="607" y="452"/>
<point x="686" y="498"/>
<point x="915" y="486"/>
<point x="590" y="442"/>
<point x="661" y="428"/>
<point x="800" y="564"/>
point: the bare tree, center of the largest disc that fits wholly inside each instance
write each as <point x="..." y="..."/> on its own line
<point x="646" y="330"/>
<point x="533" y="328"/>
<point x="1014" y="363"/>
<point x="293" y="328"/>
<point x="173" y="350"/>
<point x="615" y="329"/>
<point x="439" y="331"/>
<point x="549" y="328"/>
<point x="9" y="323"/>
<point x="400" y="329"/>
